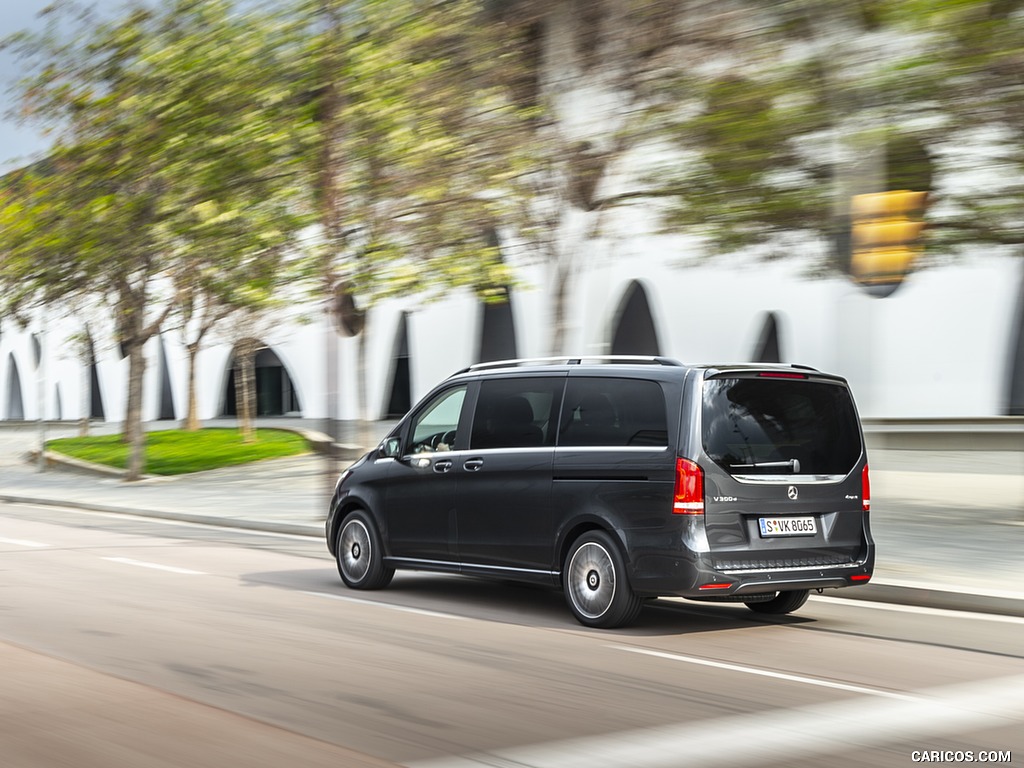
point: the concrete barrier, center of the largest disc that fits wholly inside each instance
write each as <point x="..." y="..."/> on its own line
<point x="953" y="434"/>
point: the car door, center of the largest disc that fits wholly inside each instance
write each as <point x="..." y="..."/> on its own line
<point x="504" y="517"/>
<point x="420" y="499"/>
<point x="614" y="461"/>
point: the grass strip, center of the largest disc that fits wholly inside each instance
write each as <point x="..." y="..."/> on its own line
<point x="175" y="452"/>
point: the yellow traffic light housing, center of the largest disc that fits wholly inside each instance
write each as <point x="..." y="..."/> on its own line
<point x="886" y="235"/>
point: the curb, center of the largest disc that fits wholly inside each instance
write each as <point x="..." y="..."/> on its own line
<point x="323" y="445"/>
<point x="60" y="461"/>
<point x="934" y="597"/>
<point x="309" y="530"/>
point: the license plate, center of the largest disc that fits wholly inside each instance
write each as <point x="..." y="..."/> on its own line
<point x="787" y="526"/>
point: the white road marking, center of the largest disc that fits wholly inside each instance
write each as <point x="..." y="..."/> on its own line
<point x="778" y="736"/>
<point x="23" y="542"/>
<point x="816" y="681"/>
<point x="921" y="610"/>
<point x="390" y="606"/>
<point x="154" y="566"/>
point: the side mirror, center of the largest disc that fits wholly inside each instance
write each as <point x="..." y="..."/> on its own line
<point x="391" y="448"/>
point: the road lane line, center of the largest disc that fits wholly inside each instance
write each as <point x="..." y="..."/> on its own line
<point x="23" y="542"/>
<point x="390" y="606"/>
<point x="154" y="566"/>
<point x="817" y="681"/>
<point x="778" y="736"/>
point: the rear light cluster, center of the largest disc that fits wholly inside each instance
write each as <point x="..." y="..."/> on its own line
<point x="689" y="495"/>
<point x="782" y="375"/>
<point x="865" y="489"/>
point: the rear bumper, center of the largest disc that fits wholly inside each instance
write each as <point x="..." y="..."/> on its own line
<point x="682" y="563"/>
<point x="693" y="577"/>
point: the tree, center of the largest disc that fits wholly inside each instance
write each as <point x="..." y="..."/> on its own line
<point x="587" y="162"/>
<point x="809" y="104"/>
<point x="968" y="77"/>
<point x="238" y="216"/>
<point x="239" y="212"/>
<point x="412" y="153"/>
<point x="244" y="328"/>
<point x="168" y="173"/>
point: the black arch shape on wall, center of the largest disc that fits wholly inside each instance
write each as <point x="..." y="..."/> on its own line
<point x="96" y="410"/>
<point x="15" y="409"/>
<point x="633" y="331"/>
<point x="276" y="394"/>
<point x="769" y="346"/>
<point x="166" y="394"/>
<point x="400" y="390"/>
<point x="1015" y="399"/>
<point x="497" y="339"/>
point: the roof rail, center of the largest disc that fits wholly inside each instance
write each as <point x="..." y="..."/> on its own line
<point x="573" y="360"/>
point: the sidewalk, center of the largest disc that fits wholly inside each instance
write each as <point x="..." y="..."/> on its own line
<point x="949" y="525"/>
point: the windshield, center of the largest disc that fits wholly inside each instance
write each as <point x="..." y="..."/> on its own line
<point x="760" y="426"/>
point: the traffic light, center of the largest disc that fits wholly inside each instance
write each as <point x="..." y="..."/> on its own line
<point x="886" y="237"/>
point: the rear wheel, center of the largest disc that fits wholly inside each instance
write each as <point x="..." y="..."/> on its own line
<point x="359" y="553"/>
<point x="594" y="580"/>
<point x="782" y="603"/>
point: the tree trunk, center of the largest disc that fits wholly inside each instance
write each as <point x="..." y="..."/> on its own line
<point x="245" y="390"/>
<point x="192" y="416"/>
<point x="250" y="394"/>
<point x="365" y="437"/>
<point x="559" y="306"/>
<point x="134" y="435"/>
<point x="242" y="398"/>
<point x="83" y="421"/>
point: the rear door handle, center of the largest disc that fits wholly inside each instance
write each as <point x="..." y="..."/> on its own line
<point x="442" y="466"/>
<point x="473" y="465"/>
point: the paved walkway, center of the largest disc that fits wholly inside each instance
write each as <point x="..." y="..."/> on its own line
<point x="949" y="526"/>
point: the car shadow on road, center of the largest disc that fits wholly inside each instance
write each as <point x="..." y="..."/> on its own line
<point x="516" y="603"/>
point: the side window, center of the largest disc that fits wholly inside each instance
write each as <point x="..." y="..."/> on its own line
<point x="517" y="412"/>
<point x="613" y="412"/>
<point x="434" y="428"/>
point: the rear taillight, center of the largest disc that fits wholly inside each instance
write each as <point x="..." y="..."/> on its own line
<point x="689" y="496"/>
<point x="865" y="489"/>
<point x="782" y="375"/>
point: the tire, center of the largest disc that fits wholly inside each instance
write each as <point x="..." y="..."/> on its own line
<point x="782" y="603"/>
<point x="360" y="555"/>
<point x="595" y="585"/>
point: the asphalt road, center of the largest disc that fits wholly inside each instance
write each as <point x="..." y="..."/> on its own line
<point x="129" y="642"/>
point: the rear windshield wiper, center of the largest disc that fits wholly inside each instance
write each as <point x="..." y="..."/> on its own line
<point x="793" y="464"/>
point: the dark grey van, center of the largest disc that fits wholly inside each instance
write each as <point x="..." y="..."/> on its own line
<point x="618" y="479"/>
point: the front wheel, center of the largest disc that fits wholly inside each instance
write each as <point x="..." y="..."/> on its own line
<point x="359" y="553"/>
<point x="594" y="580"/>
<point x="782" y="603"/>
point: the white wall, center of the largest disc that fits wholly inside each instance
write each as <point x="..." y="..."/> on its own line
<point x="938" y="347"/>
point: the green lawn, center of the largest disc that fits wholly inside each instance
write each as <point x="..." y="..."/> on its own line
<point x="174" y="452"/>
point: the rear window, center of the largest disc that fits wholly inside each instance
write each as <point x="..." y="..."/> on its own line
<point x="755" y="426"/>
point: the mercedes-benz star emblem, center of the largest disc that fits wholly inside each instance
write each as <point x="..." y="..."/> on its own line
<point x="792" y="492"/>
